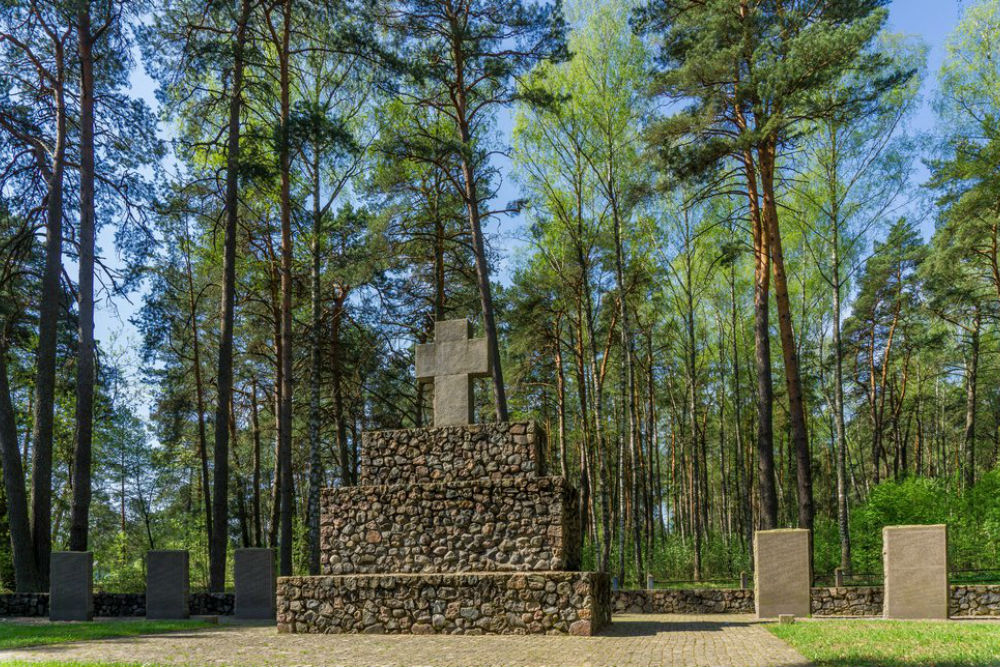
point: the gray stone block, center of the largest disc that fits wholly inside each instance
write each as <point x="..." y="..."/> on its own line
<point x="915" y="561"/>
<point x="256" y="584"/>
<point x="784" y="572"/>
<point x="167" y="584"/>
<point x="71" y="587"/>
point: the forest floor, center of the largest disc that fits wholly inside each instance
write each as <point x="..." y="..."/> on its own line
<point x="878" y="643"/>
<point x="632" y="641"/>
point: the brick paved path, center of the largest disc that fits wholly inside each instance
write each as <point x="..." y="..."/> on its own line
<point x="633" y="641"/>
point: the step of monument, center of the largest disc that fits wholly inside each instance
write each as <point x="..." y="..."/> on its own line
<point x="514" y="524"/>
<point x="576" y="603"/>
<point x="453" y="453"/>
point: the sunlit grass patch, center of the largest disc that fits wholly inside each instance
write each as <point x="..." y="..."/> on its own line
<point x="876" y="643"/>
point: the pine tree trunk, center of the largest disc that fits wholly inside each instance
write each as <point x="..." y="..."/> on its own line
<point x="762" y="356"/>
<point x="258" y="535"/>
<point x="285" y="420"/>
<point x="315" y="356"/>
<point x="199" y="386"/>
<point x="471" y="197"/>
<point x="48" y="325"/>
<point x="224" y="377"/>
<point x="793" y="377"/>
<point x="843" y="519"/>
<point x="336" y="365"/>
<point x="561" y="399"/>
<point x="971" y="377"/>
<point x="82" y="454"/>
<point x="26" y="579"/>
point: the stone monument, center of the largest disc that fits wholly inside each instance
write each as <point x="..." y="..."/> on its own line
<point x="167" y="584"/>
<point x="915" y="562"/>
<point x="783" y="576"/>
<point x="454" y="529"/>
<point x="253" y="576"/>
<point x="71" y="586"/>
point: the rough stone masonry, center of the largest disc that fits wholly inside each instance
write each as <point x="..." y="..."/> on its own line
<point x="452" y="530"/>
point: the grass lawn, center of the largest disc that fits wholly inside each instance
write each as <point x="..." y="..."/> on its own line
<point x="894" y="643"/>
<point x="18" y="635"/>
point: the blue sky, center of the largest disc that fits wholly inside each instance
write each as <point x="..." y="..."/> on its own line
<point x="931" y="20"/>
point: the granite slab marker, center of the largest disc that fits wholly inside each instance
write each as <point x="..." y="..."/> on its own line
<point x="167" y="584"/>
<point x="254" y="577"/>
<point x="915" y="564"/>
<point x="71" y="586"/>
<point x="783" y="576"/>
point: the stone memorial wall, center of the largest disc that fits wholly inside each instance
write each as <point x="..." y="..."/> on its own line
<point x="492" y="451"/>
<point x="981" y="600"/>
<point x="452" y="530"/>
<point x="520" y="523"/>
<point x="466" y="603"/>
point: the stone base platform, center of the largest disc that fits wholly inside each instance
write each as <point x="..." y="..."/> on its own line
<point x="576" y="603"/>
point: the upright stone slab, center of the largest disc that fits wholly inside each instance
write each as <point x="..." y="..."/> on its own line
<point x="167" y="585"/>
<point x="915" y="561"/>
<point x="71" y="586"/>
<point x="784" y="572"/>
<point x="253" y="574"/>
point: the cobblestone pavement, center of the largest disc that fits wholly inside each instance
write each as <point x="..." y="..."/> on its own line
<point x="633" y="641"/>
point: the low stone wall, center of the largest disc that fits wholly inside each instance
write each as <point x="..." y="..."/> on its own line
<point x="974" y="601"/>
<point x="24" y="604"/>
<point x="684" y="601"/>
<point x="516" y="524"/>
<point x="453" y="453"/>
<point x="116" y="604"/>
<point x="212" y="604"/>
<point x="575" y="603"/>
<point x="965" y="601"/>
<point x="847" y="601"/>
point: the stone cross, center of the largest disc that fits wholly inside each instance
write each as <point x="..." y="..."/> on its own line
<point x="450" y="362"/>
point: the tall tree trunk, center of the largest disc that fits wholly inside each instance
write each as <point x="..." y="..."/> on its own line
<point x="843" y="520"/>
<point x="692" y="398"/>
<point x="255" y="430"/>
<point x="561" y="399"/>
<point x="26" y="579"/>
<point x="277" y="481"/>
<point x="793" y="378"/>
<point x="285" y="420"/>
<point x="762" y="355"/>
<point x="315" y="463"/>
<point x="336" y="366"/>
<point x="48" y="325"/>
<point x="742" y="478"/>
<point x="199" y="385"/>
<point x="82" y="454"/>
<point x="471" y="197"/>
<point x="241" y="502"/>
<point x="971" y="377"/>
<point x="224" y="377"/>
